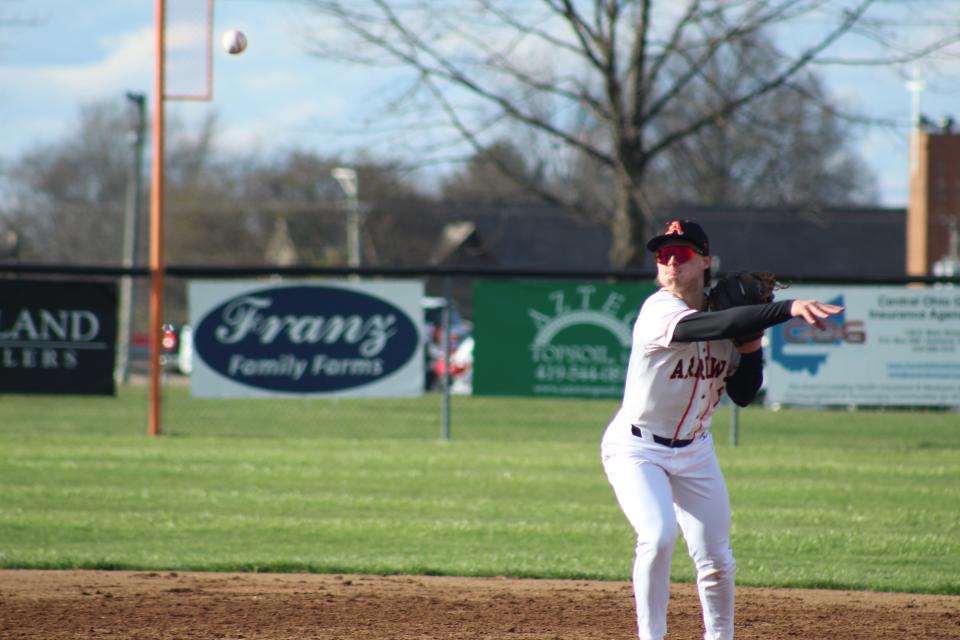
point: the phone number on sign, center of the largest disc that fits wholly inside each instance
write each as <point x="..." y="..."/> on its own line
<point x="573" y="373"/>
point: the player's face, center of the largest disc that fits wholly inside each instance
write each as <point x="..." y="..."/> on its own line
<point x="680" y="266"/>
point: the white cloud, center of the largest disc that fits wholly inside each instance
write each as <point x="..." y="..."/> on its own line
<point x="270" y="82"/>
<point x="128" y="64"/>
<point x="287" y="126"/>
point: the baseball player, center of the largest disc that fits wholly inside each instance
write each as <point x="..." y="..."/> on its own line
<point x="657" y="451"/>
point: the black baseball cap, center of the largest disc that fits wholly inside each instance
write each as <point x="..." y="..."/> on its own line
<point x="682" y="230"/>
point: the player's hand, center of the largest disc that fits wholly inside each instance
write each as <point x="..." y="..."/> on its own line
<point x="814" y="312"/>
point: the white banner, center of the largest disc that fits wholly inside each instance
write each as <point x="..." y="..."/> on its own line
<point x="306" y="338"/>
<point x="890" y="346"/>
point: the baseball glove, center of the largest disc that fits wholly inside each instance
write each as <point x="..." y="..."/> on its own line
<point x="742" y="288"/>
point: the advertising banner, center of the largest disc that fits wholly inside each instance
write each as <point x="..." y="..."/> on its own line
<point x="57" y="337"/>
<point x="890" y="346"/>
<point x="554" y="338"/>
<point x="309" y="338"/>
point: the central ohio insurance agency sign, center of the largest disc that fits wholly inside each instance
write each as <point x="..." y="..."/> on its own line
<point x="324" y="338"/>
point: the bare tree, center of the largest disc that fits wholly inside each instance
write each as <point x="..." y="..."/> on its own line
<point x="790" y="147"/>
<point x="66" y="198"/>
<point x="485" y="65"/>
<point x="496" y="174"/>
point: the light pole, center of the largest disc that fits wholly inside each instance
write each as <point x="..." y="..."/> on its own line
<point x="131" y="224"/>
<point x="347" y="179"/>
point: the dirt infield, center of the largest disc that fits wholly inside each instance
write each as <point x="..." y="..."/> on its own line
<point x="54" y="605"/>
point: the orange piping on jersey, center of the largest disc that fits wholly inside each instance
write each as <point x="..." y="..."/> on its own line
<point x="713" y="406"/>
<point x="720" y="391"/>
<point x="707" y="408"/>
<point x="671" y="324"/>
<point x="693" y="394"/>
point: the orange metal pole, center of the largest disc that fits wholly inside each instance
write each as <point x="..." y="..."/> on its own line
<point x="156" y="221"/>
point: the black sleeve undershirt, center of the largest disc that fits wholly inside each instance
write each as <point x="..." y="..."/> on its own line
<point x="743" y="385"/>
<point x="729" y="323"/>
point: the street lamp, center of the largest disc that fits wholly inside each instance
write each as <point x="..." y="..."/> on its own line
<point x="347" y="179"/>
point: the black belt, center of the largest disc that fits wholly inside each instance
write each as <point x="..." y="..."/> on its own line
<point x="667" y="442"/>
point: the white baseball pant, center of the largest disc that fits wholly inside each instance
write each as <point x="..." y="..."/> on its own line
<point x="657" y="488"/>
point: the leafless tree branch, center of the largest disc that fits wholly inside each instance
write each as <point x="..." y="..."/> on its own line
<point x="544" y="194"/>
<point x="769" y="85"/>
<point x="631" y="65"/>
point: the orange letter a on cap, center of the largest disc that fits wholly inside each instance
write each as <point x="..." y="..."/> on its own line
<point x="675" y="228"/>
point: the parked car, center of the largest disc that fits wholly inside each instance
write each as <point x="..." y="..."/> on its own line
<point x="185" y="353"/>
<point x="460" y="329"/>
<point x="461" y="368"/>
<point x="173" y="355"/>
<point x="171" y="341"/>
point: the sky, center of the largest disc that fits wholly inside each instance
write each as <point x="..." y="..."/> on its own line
<point x="275" y="95"/>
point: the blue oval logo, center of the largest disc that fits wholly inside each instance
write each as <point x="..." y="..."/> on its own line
<point x="306" y="339"/>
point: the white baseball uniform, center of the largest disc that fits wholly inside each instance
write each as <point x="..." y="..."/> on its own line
<point x="671" y="392"/>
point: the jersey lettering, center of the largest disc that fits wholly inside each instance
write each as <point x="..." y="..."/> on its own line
<point x="686" y="378"/>
<point x="700" y="368"/>
<point x="677" y="371"/>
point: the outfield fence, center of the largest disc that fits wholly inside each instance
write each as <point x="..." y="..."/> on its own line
<point x="519" y="314"/>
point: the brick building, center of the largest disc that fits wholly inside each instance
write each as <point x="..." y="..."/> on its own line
<point x="933" y="216"/>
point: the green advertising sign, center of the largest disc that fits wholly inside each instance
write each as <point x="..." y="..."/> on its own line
<point x="553" y="338"/>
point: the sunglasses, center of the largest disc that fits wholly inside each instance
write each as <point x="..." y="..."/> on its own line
<point x="682" y="253"/>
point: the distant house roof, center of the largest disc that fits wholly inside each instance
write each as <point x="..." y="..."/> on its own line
<point x="522" y="236"/>
<point x="855" y="242"/>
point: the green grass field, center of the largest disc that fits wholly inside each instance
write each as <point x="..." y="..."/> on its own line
<point x="859" y="500"/>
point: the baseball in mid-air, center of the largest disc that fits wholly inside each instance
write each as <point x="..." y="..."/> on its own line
<point x="233" y="41"/>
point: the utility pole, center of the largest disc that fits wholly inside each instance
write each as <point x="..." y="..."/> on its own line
<point x="347" y="179"/>
<point x="131" y="226"/>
